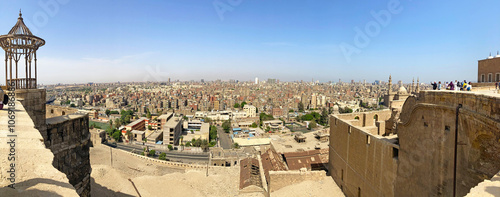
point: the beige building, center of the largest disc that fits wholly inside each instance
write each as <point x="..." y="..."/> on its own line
<point x="250" y="110"/>
<point x="488" y="70"/>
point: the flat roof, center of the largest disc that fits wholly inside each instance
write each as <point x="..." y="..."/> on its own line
<point x="136" y="122"/>
<point x="138" y="132"/>
<point x="165" y="116"/>
<point x="173" y="122"/>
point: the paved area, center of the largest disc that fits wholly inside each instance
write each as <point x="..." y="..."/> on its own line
<point x="224" y="139"/>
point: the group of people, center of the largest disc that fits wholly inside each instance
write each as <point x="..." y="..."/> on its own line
<point x="456" y="86"/>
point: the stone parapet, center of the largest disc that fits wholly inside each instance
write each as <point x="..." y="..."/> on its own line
<point x="35" y="175"/>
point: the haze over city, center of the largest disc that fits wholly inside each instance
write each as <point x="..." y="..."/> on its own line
<point x="109" y="41"/>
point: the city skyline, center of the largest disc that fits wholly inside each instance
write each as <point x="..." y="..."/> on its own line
<point x="154" y="41"/>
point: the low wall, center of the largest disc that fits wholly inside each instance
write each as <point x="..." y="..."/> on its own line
<point x="172" y="164"/>
<point x="280" y="179"/>
<point x="54" y="111"/>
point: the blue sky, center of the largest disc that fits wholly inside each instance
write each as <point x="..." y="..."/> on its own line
<point x="125" y="40"/>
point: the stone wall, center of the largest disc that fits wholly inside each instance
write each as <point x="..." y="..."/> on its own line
<point x="54" y="111"/>
<point x="33" y="101"/>
<point x="280" y="179"/>
<point x="361" y="162"/>
<point x="69" y="139"/>
<point x="34" y="173"/>
<point x="427" y="142"/>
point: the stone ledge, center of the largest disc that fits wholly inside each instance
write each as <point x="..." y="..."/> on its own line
<point x="35" y="175"/>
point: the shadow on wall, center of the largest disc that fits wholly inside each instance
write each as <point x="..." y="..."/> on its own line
<point x="99" y="190"/>
<point x="493" y="190"/>
<point x="26" y="185"/>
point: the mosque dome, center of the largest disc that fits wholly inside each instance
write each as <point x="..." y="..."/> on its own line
<point x="335" y="108"/>
<point x="402" y="90"/>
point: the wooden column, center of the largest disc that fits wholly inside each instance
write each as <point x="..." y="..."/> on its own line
<point x="36" y="78"/>
<point x="6" y="76"/>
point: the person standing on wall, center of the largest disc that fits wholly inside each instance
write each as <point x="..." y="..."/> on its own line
<point x="2" y="94"/>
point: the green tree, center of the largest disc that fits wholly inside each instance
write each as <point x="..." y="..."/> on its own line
<point x="170" y="147"/>
<point x="129" y="135"/>
<point x="208" y="120"/>
<point x="213" y="133"/>
<point x="243" y="104"/>
<point x="204" y="145"/>
<point x="107" y="112"/>
<point x="152" y="153"/>
<point x="150" y="127"/>
<point x="324" y="117"/>
<point x="236" y="146"/>
<point x="111" y="123"/>
<point x="148" y="115"/>
<point x="236" y="105"/>
<point x="163" y="156"/>
<point x="312" y="125"/>
<point x="188" y="144"/>
<point x="226" y="126"/>
<point x="301" y="107"/>
<point x="72" y="105"/>
<point x="254" y="125"/>
<point x="118" y="123"/>
<point x="117" y="135"/>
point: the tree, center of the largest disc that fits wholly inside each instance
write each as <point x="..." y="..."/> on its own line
<point x="254" y="125"/>
<point x="152" y="153"/>
<point x="208" y="120"/>
<point x="107" y="112"/>
<point x="204" y="145"/>
<point x="163" y="156"/>
<point x="243" y="104"/>
<point x="118" y="123"/>
<point x="150" y="127"/>
<point x="236" y="146"/>
<point x="324" y="117"/>
<point x="148" y="115"/>
<point x="213" y="133"/>
<point x="188" y="144"/>
<point x="301" y="107"/>
<point x="72" y="105"/>
<point x="111" y="123"/>
<point x="117" y="135"/>
<point x="170" y="147"/>
<point x="312" y="125"/>
<point x="226" y="126"/>
<point x="236" y="105"/>
<point x="129" y="135"/>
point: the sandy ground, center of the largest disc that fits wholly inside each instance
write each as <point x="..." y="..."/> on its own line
<point x="152" y="179"/>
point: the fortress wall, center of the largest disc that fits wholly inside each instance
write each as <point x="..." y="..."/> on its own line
<point x="34" y="173"/>
<point x="280" y="179"/>
<point x="427" y="142"/>
<point x="54" y="111"/>
<point x="361" y="162"/>
<point x="69" y="139"/>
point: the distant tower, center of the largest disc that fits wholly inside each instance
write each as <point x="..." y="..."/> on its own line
<point x="389" y="90"/>
<point x="412" y="89"/>
<point x="418" y="86"/>
<point x="256" y="80"/>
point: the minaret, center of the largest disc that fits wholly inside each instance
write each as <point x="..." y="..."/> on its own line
<point x="390" y="85"/>
<point x="412" y="89"/>
<point x="418" y="85"/>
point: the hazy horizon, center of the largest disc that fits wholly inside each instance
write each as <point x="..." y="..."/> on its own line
<point x="110" y="41"/>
